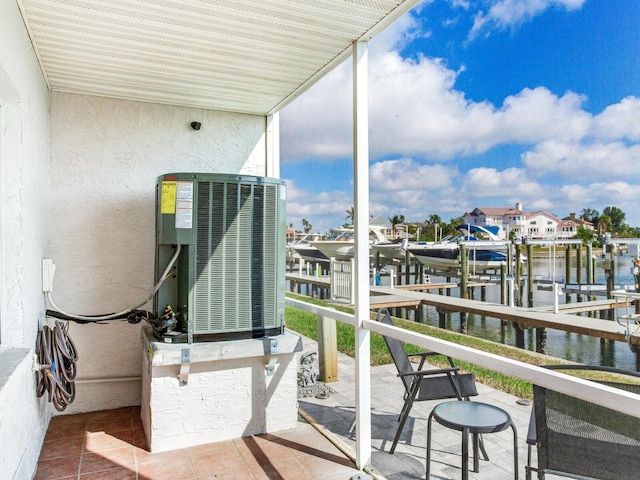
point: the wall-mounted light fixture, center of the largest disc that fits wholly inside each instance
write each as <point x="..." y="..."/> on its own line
<point x="196" y="125"/>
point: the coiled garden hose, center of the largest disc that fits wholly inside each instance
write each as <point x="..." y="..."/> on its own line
<point x="56" y="365"/>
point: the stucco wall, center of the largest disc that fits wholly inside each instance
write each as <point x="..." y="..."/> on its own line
<point x="105" y="157"/>
<point x="24" y="163"/>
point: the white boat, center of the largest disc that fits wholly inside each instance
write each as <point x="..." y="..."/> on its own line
<point x="484" y="254"/>
<point x="302" y="249"/>
<point x="343" y="246"/>
<point x="390" y="251"/>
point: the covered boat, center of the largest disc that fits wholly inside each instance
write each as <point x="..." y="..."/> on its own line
<point x="487" y="248"/>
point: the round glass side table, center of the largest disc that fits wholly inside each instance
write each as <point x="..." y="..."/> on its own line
<point x="473" y="418"/>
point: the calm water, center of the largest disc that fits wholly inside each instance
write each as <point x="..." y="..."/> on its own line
<point x="570" y="346"/>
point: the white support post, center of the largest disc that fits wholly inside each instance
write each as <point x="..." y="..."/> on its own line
<point x="272" y="145"/>
<point x="361" y="229"/>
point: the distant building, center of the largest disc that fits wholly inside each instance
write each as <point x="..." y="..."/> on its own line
<point x="538" y="225"/>
<point x="387" y="231"/>
<point x="291" y="235"/>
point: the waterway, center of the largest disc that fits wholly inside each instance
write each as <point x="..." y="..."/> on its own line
<point x="570" y="346"/>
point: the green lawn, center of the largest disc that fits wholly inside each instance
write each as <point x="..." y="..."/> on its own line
<point x="305" y="324"/>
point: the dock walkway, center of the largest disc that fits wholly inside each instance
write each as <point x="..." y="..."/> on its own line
<point x="413" y="296"/>
<point x="540" y="317"/>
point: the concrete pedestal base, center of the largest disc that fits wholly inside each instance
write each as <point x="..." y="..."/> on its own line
<point x="208" y="392"/>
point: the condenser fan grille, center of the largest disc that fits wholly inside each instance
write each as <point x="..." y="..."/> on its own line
<point x="235" y="257"/>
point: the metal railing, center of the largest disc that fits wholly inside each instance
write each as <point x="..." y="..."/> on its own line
<point x="615" y="399"/>
<point x="341" y="280"/>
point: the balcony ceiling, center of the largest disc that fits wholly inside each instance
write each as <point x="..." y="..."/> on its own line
<point x="249" y="56"/>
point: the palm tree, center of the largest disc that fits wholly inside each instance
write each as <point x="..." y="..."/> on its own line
<point x="396" y="220"/>
<point x="306" y="225"/>
<point x="604" y="223"/>
<point x="450" y="228"/>
<point x="589" y="214"/>
<point x="434" y="221"/>
<point x="351" y="214"/>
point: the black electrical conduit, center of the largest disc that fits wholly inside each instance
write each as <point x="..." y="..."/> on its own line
<point x="133" y="315"/>
<point x="56" y="355"/>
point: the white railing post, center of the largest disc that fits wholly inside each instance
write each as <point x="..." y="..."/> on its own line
<point x="556" y="296"/>
<point x="512" y="291"/>
<point x="352" y="282"/>
<point x="332" y="279"/>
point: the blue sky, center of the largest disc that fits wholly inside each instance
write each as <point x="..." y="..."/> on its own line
<point x="479" y="103"/>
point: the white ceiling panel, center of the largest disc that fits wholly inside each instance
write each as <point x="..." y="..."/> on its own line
<point x="250" y="56"/>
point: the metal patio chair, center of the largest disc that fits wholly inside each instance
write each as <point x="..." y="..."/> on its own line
<point x="463" y="415"/>
<point x="421" y="385"/>
<point x="578" y="439"/>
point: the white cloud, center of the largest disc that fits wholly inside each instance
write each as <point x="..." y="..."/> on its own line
<point x="508" y="13"/>
<point x="406" y="174"/>
<point x="422" y="122"/>
<point x="583" y="161"/>
<point x="319" y="123"/>
<point x="400" y="33"/>
<point x="415" y="110"/>
<point x="322" y="210"/>
<point x="485" y="182"/>
<point x="619" y="121"/>
<point x="600" y="195"/>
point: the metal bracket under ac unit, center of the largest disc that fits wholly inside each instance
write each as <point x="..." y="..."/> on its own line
<point x="273" y="351"/>
<point x="185" y="366"/>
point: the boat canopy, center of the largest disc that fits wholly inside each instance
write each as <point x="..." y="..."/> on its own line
<point x="494" y="232"/>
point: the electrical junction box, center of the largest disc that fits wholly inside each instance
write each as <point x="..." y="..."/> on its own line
<point x="229" y="279"/>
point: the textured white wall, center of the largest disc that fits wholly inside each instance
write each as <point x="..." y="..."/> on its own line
<point x="228" y="392"/>
<point x="24" y="165"/>
<point x="105" y="157"/>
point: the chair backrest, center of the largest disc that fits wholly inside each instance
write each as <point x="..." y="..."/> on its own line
<point x="581" y="438"/>
<point x="397" y="351"/>
<point x="432" y="387"/>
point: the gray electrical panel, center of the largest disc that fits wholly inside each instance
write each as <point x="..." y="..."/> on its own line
<point x="228" y="280"/>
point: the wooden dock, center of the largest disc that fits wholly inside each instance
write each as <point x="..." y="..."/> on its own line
<point x="413" y="296"/>
<point x="540" y="317"/>
<point x="440" y="286"/>
<point x="320" y="281"/>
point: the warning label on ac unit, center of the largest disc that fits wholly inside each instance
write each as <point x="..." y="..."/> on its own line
<point x="168" y="197"/>
<point x="184" y="204"/>
<point x="177" y="199"/>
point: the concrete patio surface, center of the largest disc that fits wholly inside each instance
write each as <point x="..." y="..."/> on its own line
<point x="337" y="415"/>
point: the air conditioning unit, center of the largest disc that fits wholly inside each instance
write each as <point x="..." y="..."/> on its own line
<point x="228" y="279"/>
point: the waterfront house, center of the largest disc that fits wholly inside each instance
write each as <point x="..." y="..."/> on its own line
<point x="538" y="225"/>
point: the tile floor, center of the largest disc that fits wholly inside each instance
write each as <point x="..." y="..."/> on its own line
<point x="110" y="445"/>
